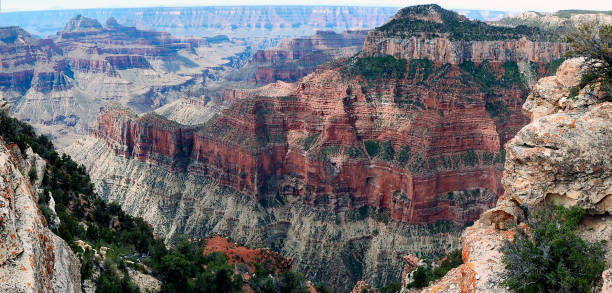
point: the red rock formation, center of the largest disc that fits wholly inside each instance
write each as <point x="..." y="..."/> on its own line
<point x="257" y="145"/>
<point x="422" y="147"/>
<point x="20" y="53"/>
<point x="275" y="263"/>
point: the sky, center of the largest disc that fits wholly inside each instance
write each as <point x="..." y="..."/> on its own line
<point x="504" y="5"/>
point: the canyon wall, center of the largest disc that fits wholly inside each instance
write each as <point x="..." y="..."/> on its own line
<point x="430" y="32"/>
<point x="560" y="157"/>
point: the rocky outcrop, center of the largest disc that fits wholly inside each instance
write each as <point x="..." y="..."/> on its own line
<point x="561" y="21"/>
<point x="32" y="258"/>
<point x="561" y="157"/>
<point x="82" y="24"/>
<point x="434" y="38"/>
<point x="456" y="52"/>
<point x="272" y="261"/>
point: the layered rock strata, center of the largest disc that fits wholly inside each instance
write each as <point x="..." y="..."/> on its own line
<point x="295" y="58"/>
<point x="59" y="84"/>
<point x="561" y="157"/>
<point x="430" y="32"/>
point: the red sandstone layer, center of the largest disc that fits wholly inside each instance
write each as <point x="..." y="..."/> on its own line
<point x="302" y="144"/>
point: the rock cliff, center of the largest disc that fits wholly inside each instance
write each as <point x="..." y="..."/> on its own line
<point x="430" y="32"/>
<point x="32" y="258"/>
<point x="561" y="156"/>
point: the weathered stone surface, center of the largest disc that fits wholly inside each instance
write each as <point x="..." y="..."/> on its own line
<point x="32" y="258"/>
<point x="145" y="282"/>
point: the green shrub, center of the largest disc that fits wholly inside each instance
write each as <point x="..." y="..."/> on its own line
<point x="404" y="155"/>
<point x="551" y="257"/>
<point x="392" y="287"/>
<point x="420" y="68"/>
<point x="32" y="174"/>
<point x="310" y="141"/>
<point x="470" y="158"/>
<point x="372" y="147"/>
<point x="428" y="273"/>
<point x="512" y="74"/>
<point x="593" y="41"/>
<point x="388" y="153"/>
<point x="373" y="68"/>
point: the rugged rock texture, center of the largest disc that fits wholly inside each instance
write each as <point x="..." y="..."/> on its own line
<point x="354" y="244"/>
<point x="435" y="39"/>
<point x="562" y="156"/>
<point x="189" y="111"/>
<point x="32" y="258"/>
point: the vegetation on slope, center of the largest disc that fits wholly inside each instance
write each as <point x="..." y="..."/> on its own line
<point x="548" y="256"/>
<point x="84" y="216"/>
<point x="373" y="68"/>
<point x="428" y="273"/>
<point x="595" y="43"/>
<point x="413" y="21"/>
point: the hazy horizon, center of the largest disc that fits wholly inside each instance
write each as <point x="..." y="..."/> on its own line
<point x="514" y="6"/>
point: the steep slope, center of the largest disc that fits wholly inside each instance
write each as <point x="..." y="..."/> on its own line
<point x="561" y="157"/>
<point x="32" y="258"/>
<point x="109" y="250"/>
<point x="428" y="31"/>
<point x="368" y="158"/>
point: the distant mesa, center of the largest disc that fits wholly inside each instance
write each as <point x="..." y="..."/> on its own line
<point x="111" y="22"/>
<point x="81" y="23"/>
<point x="11" y="34"/>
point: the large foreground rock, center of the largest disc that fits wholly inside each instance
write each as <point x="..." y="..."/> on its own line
<point x="32" y="258"/>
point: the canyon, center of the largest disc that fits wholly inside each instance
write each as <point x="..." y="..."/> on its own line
<point x="59" y="84"/>
<point x="365" y="160"/>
